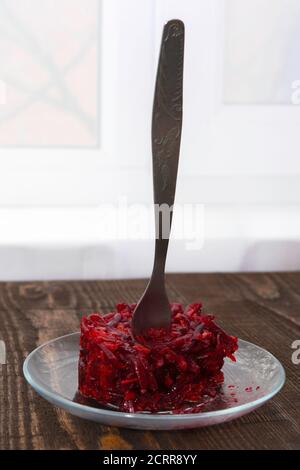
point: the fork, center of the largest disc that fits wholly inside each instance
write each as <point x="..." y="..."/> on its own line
<point x="153" y="309"/>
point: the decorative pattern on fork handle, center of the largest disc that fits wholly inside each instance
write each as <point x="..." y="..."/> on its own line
<point x="167" y="113"/>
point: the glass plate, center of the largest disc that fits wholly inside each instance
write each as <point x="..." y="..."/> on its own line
<point x="257" y="376"/>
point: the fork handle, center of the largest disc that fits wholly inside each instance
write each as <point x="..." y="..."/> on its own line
<point x="166" y="134"/>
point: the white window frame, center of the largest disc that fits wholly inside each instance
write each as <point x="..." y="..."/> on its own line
<point x="81" y="176"/>
<point x="130" y="38"/>
<point x="247" y="136"/>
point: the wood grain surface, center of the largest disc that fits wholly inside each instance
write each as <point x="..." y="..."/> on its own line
<point x="263" y="308"/>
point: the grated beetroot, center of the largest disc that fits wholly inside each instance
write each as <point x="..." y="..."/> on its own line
<point x="175" y="371"/>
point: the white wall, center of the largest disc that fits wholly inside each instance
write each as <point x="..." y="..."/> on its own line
<point x="75" y="119"/>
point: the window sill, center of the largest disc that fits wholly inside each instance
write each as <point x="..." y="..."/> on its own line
<point x="67" y="243"/>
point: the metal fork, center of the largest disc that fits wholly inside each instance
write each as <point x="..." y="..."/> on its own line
<point x="153" y="309"/>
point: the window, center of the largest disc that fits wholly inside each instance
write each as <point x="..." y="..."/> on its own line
<point x="261" y="53"/>
<point x="50" y="73"/>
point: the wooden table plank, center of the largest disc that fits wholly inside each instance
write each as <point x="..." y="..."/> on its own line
<point x="263" y="308"/>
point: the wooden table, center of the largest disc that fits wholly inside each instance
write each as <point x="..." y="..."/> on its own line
<point x="263" y="308"/>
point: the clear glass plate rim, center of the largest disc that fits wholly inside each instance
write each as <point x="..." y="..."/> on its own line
<point x="59" y="399"/>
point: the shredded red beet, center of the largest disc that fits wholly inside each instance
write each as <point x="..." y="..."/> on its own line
<point x="170" y="371"/>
